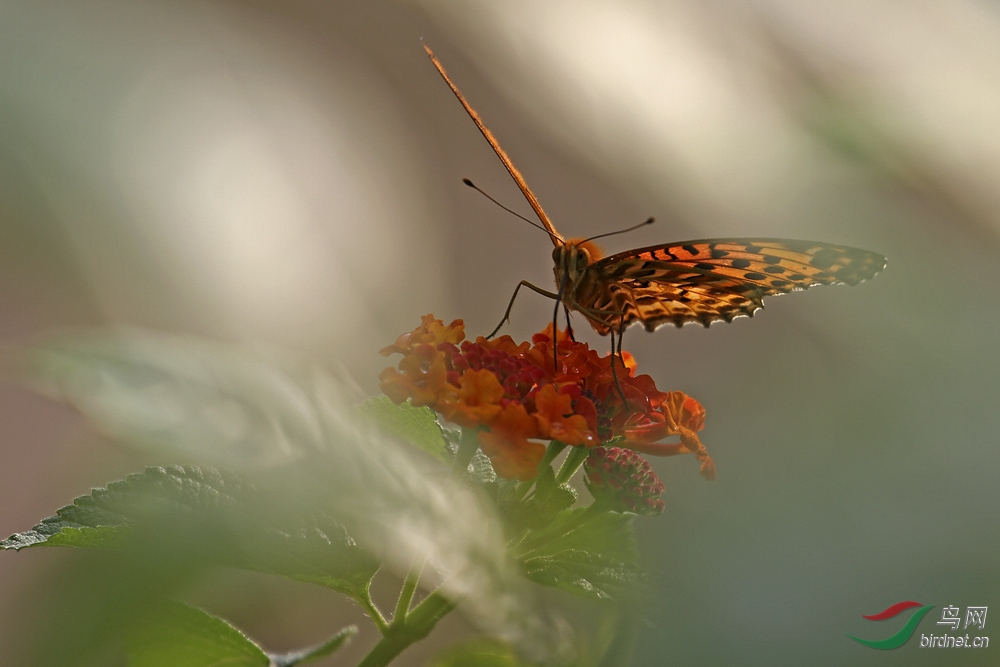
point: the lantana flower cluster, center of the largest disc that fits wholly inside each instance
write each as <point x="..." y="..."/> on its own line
<point x="515" y="394"/>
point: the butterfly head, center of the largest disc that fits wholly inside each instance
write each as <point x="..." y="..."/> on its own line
<point x="572" y="257"/>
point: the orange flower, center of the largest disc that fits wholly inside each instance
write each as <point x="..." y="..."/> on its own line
<point x="678" y="415"/>
<point x="554" y="414"/>
<point x="476" y="402"/>
<point x="504" y="344"/>
<point x="643" y="387"/>
<point x="507" y="445"/>
<point x="422" y="380"/>
<point x="430" y="332"/>
<point x="686" y="412"/>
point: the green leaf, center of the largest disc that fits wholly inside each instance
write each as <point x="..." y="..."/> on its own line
<point x="317" y="551"/>
<point x="585" y="553"/>
<point x="219" y="517"/>
<point x="315" y="653"/>
<point x="480" y="652"/>
<point x="182" y="636"/>
<point x="66" y="536"/>
<point x="588" y="574"/>
<point x="418" y="426"/>
<point x="105" y="516"/>
<point x="609" y="534"/>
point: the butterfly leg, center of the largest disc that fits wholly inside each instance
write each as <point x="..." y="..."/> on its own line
<point x="555" y="323"/>
<point x="506" y="315"/>
<point x="555" y="333"/>
<point x="621" y="337"/>
<point x="594" y="314"/>
<point x="614" y="371"/>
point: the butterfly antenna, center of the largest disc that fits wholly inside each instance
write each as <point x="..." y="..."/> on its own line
<point x="622" y="231"/>
<point x="514" y="213"/>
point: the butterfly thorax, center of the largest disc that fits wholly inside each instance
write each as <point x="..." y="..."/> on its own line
<point x="576" y="278"/>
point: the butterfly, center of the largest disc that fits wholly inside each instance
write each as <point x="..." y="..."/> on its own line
<point x="700" y="281"/>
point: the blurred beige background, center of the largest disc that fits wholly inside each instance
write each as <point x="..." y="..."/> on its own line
<point x="289" y="172"/>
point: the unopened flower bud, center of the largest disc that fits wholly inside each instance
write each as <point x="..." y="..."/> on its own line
<point x="623" y="479"/>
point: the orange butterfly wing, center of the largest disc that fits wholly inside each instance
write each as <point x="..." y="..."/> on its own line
<point x="712" y="279"/>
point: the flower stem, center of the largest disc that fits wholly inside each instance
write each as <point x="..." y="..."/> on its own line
<point x="551" y="452"/>
<point x="364" y="598"/>
<point x="409" y="588"/>
<point x="417" y="625"/>
<point x="624" y="632"/>
<point x="572" y="462"/>
<point x="466" y="449"/>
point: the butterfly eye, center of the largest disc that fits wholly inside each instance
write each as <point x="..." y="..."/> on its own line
<point x="582" y="258"/>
